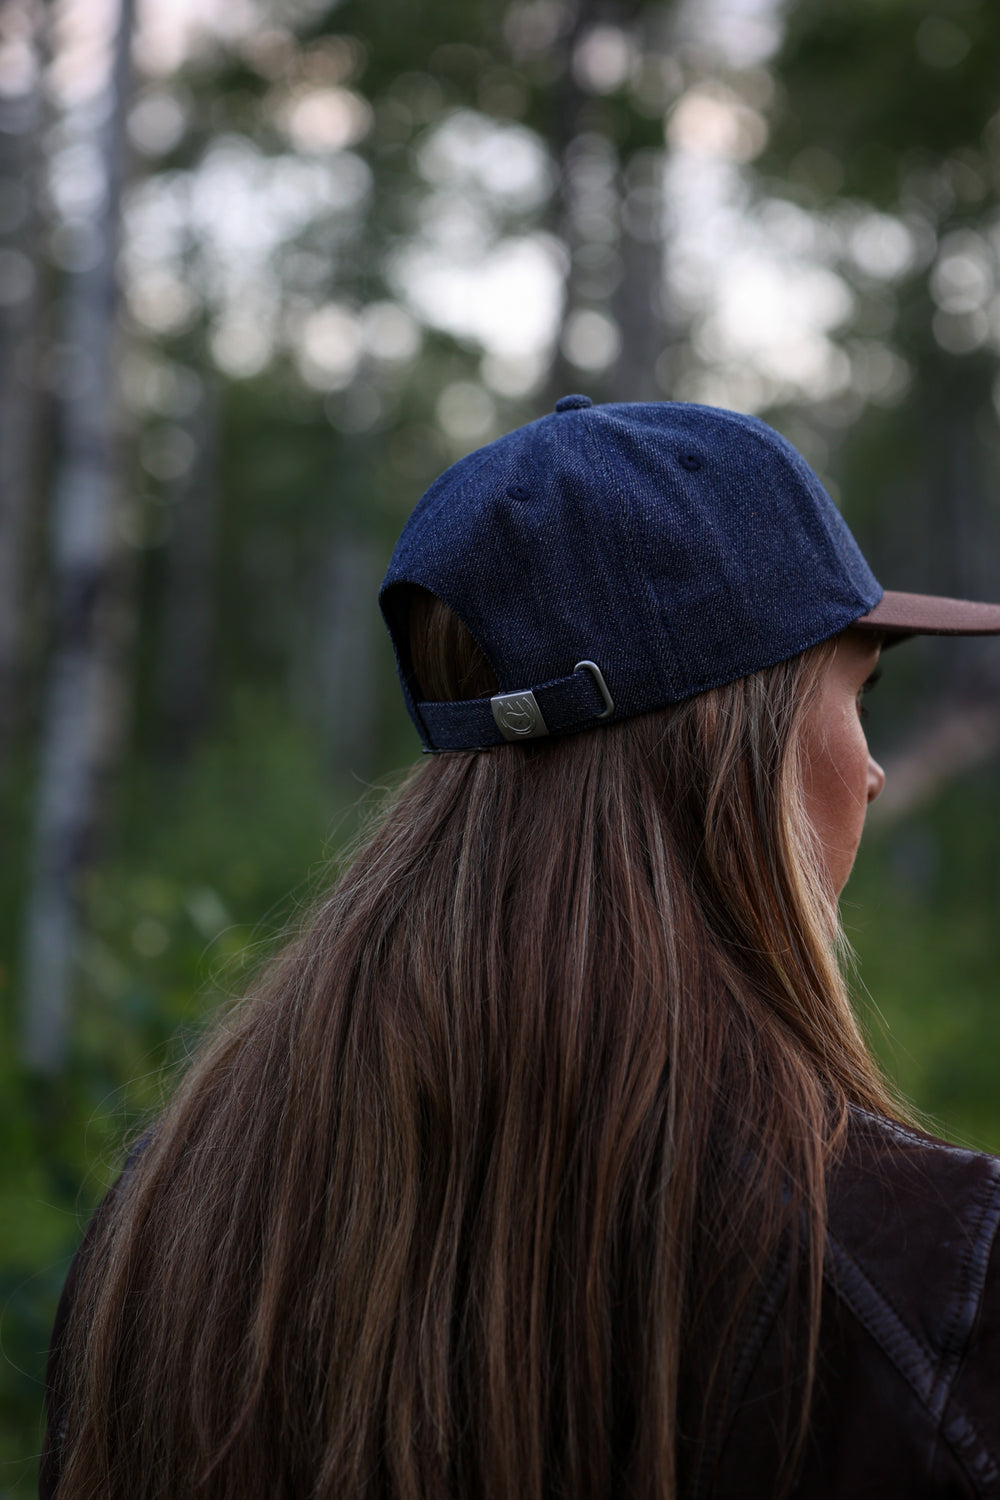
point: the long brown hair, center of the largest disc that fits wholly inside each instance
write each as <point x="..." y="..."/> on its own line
<point x="471" y="1195"/>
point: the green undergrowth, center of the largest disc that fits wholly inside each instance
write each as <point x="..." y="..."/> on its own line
<point x="923" y="912"/>
<point x="209" y="865"/>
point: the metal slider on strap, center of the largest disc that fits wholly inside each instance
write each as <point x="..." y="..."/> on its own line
<point x="518" y="715"/>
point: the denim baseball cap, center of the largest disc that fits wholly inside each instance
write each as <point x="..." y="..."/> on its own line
<point x="610" y="560"/>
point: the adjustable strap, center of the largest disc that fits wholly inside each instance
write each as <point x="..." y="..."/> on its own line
<point x="556" y="707"/>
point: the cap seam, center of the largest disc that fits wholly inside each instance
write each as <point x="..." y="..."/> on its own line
<point x="667" y="678"/>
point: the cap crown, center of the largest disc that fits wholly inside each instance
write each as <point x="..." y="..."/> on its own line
<point x="677" y="546"/>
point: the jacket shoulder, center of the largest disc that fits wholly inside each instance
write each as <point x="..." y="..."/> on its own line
<point x="906" y="1399"/>
<point x="912" y="1222"/>
<point x="912" y="1256"/>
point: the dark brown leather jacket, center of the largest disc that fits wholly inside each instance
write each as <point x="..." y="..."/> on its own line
<point x="907" y="1400"/>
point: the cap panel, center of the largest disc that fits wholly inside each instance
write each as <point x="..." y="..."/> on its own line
<point x="744" y="557"/>
<point x="425" y="555"/>
<point x="531" y="555"/>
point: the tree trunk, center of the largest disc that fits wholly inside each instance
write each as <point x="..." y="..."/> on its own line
<point x="609" y="217"/>
<point x="20" y="129"/>
<point x="346" y="667"/>
<point x="568" y="107"/>
<point x="82" y="708"/>
<point x="187" y="622"/>
<point x="638" y="301"/>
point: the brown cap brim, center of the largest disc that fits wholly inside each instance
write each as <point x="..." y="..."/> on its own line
<point x="926" y="614"/>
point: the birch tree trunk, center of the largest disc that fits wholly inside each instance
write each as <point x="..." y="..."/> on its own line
<point x="20" y="127"/>
<point x="84" y="683"/>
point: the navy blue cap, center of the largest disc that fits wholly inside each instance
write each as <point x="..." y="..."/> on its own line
<point x="610" y="560"/>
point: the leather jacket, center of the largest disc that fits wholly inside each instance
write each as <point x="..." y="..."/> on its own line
<point x="907" y="1395"/>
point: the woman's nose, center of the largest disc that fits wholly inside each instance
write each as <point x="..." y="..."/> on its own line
<point x="876" y="779"/>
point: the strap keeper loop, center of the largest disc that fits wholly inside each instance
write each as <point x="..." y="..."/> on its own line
<point x="602" y="687"/>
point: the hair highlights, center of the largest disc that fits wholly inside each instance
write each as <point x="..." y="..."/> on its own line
<point x="471" y="1196"/>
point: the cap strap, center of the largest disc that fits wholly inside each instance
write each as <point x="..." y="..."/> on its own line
<point x="556" y="707"/>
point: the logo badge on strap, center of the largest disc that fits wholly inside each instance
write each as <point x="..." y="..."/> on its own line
<point x="518" y="716"/>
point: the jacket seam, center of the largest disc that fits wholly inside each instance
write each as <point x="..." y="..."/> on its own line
<point x="970" y="1288"/>
<point x="873" y="1310"/>
<point x="972" y="1274"/>
<point x="909" y="1137"/>
<point x="958" y="1432"/>
<point x="965" y="1444"/>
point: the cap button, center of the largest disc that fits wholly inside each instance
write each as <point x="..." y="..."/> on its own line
<point x="573" y="403"/>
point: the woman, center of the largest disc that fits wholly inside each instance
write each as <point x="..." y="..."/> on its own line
<point x="549" y="1161"/>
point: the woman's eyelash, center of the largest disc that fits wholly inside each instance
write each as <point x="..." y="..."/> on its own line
<point x="866" y="688"/>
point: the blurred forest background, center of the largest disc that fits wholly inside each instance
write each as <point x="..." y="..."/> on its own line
<point x="266" y="266"/>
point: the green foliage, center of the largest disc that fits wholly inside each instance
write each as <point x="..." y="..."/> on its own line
<point x="921" y="909"/>
<point x="886" y="88"/>
<point x="210" y="864"/>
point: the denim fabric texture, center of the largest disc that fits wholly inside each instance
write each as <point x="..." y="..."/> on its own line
<point x="676" y="546"/>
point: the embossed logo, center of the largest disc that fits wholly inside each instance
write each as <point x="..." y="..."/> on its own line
<point x="518" y="716"/>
